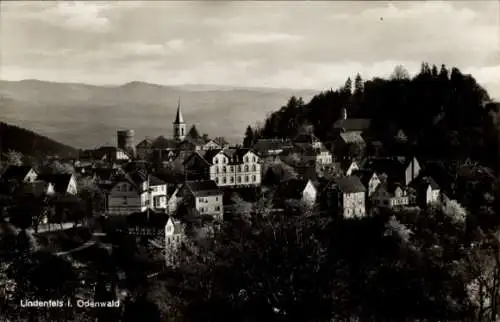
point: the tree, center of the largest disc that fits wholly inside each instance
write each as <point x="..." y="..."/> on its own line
<point x="358" y="85"/>
<point x="58" y="167"/>
<point x="14" y="158"/>
<point x="400" y="73"/>
<point x="193" y="132"/>
<point x="205" y="137"/>
<point x="249" y="138"/>
<point x="348" y="86"/>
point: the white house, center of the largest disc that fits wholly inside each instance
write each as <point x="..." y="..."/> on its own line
<point x="390" y="195"/>
<point x="298" y="189"/>
<point x="203" y="196"/>
<point x="174" y="236"/>
<point x="136" y="192"/>
<point x="59" y="183"/>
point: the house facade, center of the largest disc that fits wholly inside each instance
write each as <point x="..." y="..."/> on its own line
<point x="174" y="237"/>
<point x="390" y="196"/>
<point x="298" y="189"/>
<point x="349" y="196"/>
<point x="203" y="196"/>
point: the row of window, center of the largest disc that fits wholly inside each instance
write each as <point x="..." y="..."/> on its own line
<point x="172" y="239"/>
<point x="205" y="200"/>
<point x="240" y="168"/>
<point x="245" y="159"/>
<point x="204" y="210"/>
<point x="238" y="179"/>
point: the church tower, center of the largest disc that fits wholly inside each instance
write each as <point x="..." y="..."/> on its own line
<point x="179" y="125"/>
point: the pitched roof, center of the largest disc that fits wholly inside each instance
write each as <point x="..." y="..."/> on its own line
<point x="389" y="186"/>
<point x="425" y="182"/>
<point x="146" y="143"/>
<point x="392" y="166"/>
<point x="364" y="175"/>
<point x="163" y="143"/>
<point x="210" y="154"/>
<point x="203" y="188"/>
<point x="349" y="184"/>
<point x="351" y="137"/>
<point x="59" y="181"/>
<point x="178" y="116"/>
<point x="263" y="146"/>
<point x="292" y="189"/>
<point x="16" y="172"/>
<point x="353" y="124"/>
<point x="37" y="188"/>
<point x="178" y="227"/>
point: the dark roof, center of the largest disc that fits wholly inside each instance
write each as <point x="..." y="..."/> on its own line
<point x="16" y="172"/>
<point x="210" y="154"/>
<point x="353" y="124"/>
<point x="264" y="145"/>
<point x="392" y="166"/>
<point x="349" y="184"/>
<point x="171" y="189"/>
<point x="60" y="181"/>
<point x="104" y="174"/>
<point x="154" y="181"/>
<point x="203" y="188"/>
<point x="163" y="143"/>
<point x="425" y="181"/>
<point x="178" y="115"/>
<point x="142" y="219"/>
<point x="146" y="143"/>
<point x="37" y="188"/>
<point x="364" y="175"/>
<point x="389" y="186"/>
<point x="291" y="189"/>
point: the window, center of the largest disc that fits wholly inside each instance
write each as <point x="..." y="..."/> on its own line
<point x="232" y="180"/>
<point x="254" y="178"/>
<point x="246" y="159"/>
<point x="202" y="210"/>
<point x="253" y="159"/>
<point x="216" y="198"/>
<point x="239" y="179"/>
<point x="246" y="168"/>
<point x="124" y="200"/>
<point x="157" y="203"/>
<point x="224" y="180"/>
<point x="231" y="168"/>
<point x="217" y="208"/>
<point x="216" y="169"/>
<point x="254" y="168"/>
<point x="224" y="169"/>
<point x="216" y="161"/>
<point x="216" y="180"/>
<point x="246" y="178"/>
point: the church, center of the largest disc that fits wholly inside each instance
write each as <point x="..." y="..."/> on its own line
<point x="181" y="140"/>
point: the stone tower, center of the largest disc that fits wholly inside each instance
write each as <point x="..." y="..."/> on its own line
<point x="179" y="125"/>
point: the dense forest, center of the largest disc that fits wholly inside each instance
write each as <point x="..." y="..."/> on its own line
<point x="443" y="113"/>
<point x="29" y="143"/>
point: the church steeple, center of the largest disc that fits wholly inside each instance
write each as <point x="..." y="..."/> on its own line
<point x="179" y="125"/>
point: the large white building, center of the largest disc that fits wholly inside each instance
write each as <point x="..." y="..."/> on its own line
<point x="226" y="167"/>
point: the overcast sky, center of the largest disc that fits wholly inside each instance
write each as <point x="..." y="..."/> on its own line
<point x="264" y="44"/>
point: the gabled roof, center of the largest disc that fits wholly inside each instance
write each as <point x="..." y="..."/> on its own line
<point x="178" y="227"/>
<point x="163" y="143"/>
<point x="424" y="182"/>
<point x="351" y="137"/>
<point x="351" y="124"/>
<point x="389" y="186"/>
<point x="344" y="164"/>
<point x="349" y="184"/>
<point x="392" y="166"/>
<point x="154" y="181"/>
<point x="146" y="143"/>
<point x="59" y="181"/>
<point x="210" y="154"/>
<point x="203" y="188"/>
<point x="15" y="172"/>
<point x="364" y="175"/>
<point x="292" y="189"/>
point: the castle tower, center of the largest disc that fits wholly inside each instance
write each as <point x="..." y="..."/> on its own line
<point x="179" y="125"/>
<point x="343" y="113"/>
<point x="125" y="142"/>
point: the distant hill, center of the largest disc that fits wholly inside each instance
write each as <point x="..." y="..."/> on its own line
<point x="86" y="116"/>
<point x="30" y="143"/>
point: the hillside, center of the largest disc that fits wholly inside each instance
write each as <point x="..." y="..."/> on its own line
<point x="85" y="116"/>
<point x="443" y="113"/>
<point x="30" y="143"/>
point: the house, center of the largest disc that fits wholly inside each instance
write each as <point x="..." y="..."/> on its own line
<point x="346" y="166"/>
<point x="172" y="194"/>
<point x="369" y="179"/>
<point x="298" y="189"/>
<point x="348" y="195"/>
<point x="19" y="174"/>
<point x="312" y="152"/>
<point x="211" y="145"/>
<point x="310" y="138"/>
<point x="203" y="196"/>
<point x="174" y="236"/>
<point x="111" y="154"/>
<point x="348" y="144"/>
<point x="346" y="125"/>
<point x="226" y="167"/>
<point x="144" y="148"/>
<point x="271" y="147"/>
<point x="221" y="142"/>
<point x="136" y="192"/>
<point x="390" y="194"/>
<point x="397" y="169"/>
<point x="427" y="190"/>
<point x="150" y="224"/>
<point x="60" y="184"/>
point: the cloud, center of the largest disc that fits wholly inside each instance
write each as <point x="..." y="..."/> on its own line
<point x="235" y="38"/>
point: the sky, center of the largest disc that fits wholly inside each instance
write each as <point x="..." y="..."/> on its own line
<point x="295" y="44"/>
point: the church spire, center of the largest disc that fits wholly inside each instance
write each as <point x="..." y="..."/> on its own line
<point x="178" y="118"/>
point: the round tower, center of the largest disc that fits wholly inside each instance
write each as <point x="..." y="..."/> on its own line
<point x="126" y="141"/>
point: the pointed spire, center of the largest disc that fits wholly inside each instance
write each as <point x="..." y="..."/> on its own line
<point x="178" y="118"/>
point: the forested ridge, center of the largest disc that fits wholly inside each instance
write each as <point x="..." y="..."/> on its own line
<point x="443" y="113"/>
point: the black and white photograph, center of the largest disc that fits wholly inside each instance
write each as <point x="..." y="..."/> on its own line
<point x="248" y="161"/>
